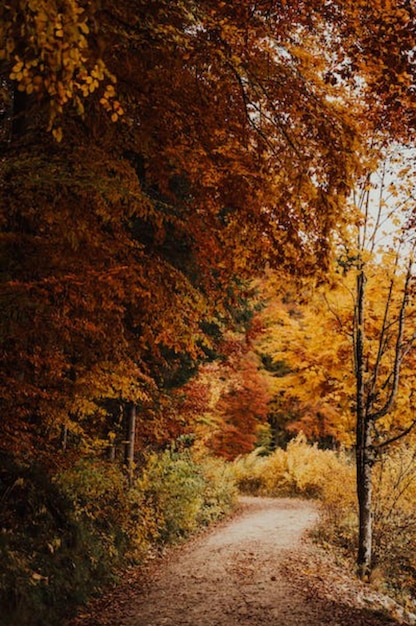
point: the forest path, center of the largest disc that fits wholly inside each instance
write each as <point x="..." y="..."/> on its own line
<point x="251" y="570"/>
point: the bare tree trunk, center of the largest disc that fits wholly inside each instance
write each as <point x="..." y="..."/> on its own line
<point x="131" y="435"/>
<point x="112" y="452"/>
<point x="363" y="440"/>
<point x="64" y="442"/>
<point x="377" y="372"/>
<point x="364" y="493"/>
<point x="6" y="110"/>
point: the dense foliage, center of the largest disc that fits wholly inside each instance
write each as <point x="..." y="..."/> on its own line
<point x="154" y="158"/>
<point x="63" y="539"/>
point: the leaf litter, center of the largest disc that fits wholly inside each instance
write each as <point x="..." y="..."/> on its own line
<point x="257" y="568"/>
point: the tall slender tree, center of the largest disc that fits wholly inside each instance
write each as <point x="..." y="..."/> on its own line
<point x="378" y="375"/>
<point x="349" y="350"/>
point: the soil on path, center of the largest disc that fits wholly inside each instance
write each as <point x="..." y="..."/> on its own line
<point x="252" y="570"/>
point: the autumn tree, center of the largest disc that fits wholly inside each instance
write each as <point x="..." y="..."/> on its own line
<point x="306" y="359"/>
<point x="240" y="409"/>
<point x="349" y="348"/>
<point x="153" y="154"/>
<point x="378" y="369"/>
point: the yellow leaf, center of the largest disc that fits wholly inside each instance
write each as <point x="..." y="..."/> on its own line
<point x="17" y="67"/>
<point x="57" y="134"/>
<point x="110" y="92"/>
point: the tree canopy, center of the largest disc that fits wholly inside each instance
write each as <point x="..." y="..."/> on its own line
<point x="155" y="155"/>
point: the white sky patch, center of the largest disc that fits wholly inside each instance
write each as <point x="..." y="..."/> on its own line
<point x="387" y="202"/>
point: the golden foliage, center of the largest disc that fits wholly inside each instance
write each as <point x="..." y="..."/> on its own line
<point x="56" y="62"/>
<point x="300" y="470"/>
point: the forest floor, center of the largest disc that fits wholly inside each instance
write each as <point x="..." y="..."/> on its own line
<point x="257" y="568"/>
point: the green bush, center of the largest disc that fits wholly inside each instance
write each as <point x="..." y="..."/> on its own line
<point x="61" y="538"/>
<point x="219" y="491"/>
<point x="183" y="493"/>
<point x="172" y="486"/>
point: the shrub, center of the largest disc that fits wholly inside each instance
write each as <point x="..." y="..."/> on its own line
<point x="172" y="487"/>
<point x="300" y="470"/>
<point x="51" y="557"/>
<point x="62" y="539"/>
<point x="219" y="491"/>
<point x="395" y="521"/>
<point x="248" y="473"/>
<point x="184" y="494"/>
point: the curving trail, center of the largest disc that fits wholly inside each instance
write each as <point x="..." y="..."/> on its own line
<point x="245" y="572"/>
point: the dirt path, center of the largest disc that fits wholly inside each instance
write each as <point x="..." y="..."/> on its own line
<point x="251" y="570"/>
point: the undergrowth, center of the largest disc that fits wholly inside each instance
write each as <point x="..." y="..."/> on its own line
<point x="63" y="537"/>
<point x="304" y="470"/>
<point x="299" y="470"/>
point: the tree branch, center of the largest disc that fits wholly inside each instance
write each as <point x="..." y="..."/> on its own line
<point x="405" y="432"/>
<point x="399" y="353"/>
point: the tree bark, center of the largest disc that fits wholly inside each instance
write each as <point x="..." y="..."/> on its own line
<point x="64" y="442"/>
<point x="364" y="450"/>
<point x="131" y="435"/>
<point x="365" y="510"/>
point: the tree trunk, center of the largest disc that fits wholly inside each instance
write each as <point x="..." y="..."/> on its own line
<point x="112" y="452"/>
<point x="364" y="459"/>
<point x="364" y="493"/>
<point x="6" y="110"/>
<point x="131" y="435"/>
<point x="20" y="113"/>
<point x="64" y="442"/>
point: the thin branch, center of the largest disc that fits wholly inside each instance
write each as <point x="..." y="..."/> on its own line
<point x="402" y="434"/>
<point x="364" y="206"/>
<point x="382" y="339"/>
<point x="246" y="102"/>
<point x="275" y="120"/>
<point x="336" y="316"/>
<point x="379" y="209"/>
<point x="398" y="358"/>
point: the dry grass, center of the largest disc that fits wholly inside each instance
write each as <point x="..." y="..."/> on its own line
<point x="303" y="470"/>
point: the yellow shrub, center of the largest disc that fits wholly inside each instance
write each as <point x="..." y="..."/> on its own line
<point x="395" y="519"/>
<point x="248" y="472"/>
<point x="300" y="470"/>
